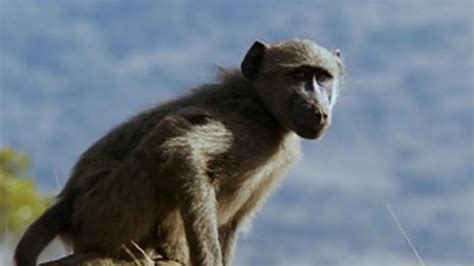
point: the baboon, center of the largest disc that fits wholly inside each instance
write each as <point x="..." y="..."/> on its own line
<point x="181" y="178"/>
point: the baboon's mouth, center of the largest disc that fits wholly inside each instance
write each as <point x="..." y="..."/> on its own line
<point x="308" y="124"/>
<point x="310" y="131"/>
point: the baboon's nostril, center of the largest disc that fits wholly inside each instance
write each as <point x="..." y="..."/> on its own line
<point x="322" y="117"/>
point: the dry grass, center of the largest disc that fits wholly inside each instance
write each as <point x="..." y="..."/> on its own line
<point x="405" y="235"/>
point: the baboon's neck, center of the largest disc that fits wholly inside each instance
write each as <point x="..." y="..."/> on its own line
<point x="238" y="95"/>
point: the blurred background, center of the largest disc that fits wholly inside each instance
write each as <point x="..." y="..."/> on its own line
<point x="403" y="131"/>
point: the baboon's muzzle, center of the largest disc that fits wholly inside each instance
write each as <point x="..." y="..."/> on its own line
<point x="309" y="122"/>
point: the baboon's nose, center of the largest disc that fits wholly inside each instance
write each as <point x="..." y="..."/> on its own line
<point x="322" y="117"/>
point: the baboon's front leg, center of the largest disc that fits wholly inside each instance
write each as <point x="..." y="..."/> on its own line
<point x="228" y="233"/>
<point x="184" y="165"/>
<point x="227" y="239"/>
<point x="199" y="218"/>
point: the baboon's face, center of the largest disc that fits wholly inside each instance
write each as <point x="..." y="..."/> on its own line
<point x="298" y="81"/>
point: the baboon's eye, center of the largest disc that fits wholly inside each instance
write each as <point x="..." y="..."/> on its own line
<point x="323" y="79"/>
<point x="298" y="75"/>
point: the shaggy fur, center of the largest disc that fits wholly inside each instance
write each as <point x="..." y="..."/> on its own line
<point x="181" y="178"/>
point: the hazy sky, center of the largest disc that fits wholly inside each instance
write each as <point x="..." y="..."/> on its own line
<point x="402" y="134"/>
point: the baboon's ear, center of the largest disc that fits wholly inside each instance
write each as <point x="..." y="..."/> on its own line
<point x="252" y="63"/>
<point x="337" y="53"/>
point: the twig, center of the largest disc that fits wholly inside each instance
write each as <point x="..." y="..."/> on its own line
<point x="56" y="177"/>
<point x="147" y="258"/>
<point x="130" y="253"/>
<point x="412" y="247"/>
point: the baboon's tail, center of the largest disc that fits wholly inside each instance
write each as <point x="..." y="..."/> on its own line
<point x="55" y="220"/>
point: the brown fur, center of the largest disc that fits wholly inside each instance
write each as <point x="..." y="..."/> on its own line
<point x="181" y="178"/>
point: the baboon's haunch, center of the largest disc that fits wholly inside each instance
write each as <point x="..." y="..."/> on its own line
<point x="181" y="178"/>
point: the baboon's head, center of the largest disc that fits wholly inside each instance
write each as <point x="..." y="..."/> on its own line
<point x="298" y="82"/>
